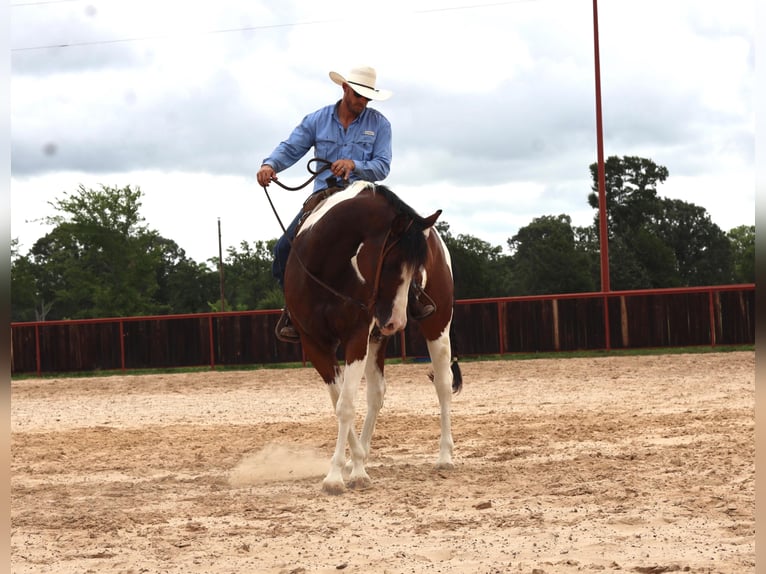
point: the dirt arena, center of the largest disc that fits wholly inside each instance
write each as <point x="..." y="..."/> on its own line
<point x="618" y="464"/>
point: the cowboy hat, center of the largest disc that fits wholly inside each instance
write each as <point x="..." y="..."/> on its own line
<point x="362" y="81"/>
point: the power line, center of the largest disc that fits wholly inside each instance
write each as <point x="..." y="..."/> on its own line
<point x="42" y="2"/>
<point x="232" y="30"/>
<point x="165" y="36"/>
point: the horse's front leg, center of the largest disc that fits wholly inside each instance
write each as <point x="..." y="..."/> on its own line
<point x="440" y="351"/>
<point x="353" y="440"/>
<point x="376" y="391"/>
<point x="344" y="412"/>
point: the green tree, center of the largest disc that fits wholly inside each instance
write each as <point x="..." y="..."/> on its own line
<point x="99" y="260"/>
<point x="656" y="242"/>
<point x="547" y="259"/>
<point x="743" y="247"/>
<point x="27" y="304"/>
<point x="631" y="192"/>
<point x="248" y="282"/>
<point x="701" y="249"/>
<point x="184" y="286"/>
<point x="479" y="269"/>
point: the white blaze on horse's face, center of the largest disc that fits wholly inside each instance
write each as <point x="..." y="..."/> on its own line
<point x="398" y="319"/>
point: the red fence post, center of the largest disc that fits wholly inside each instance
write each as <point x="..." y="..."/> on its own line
<point x="501" y="326"/>
<point x="607" y="331"/>
<point x="212" y="345"/>
<point x="122" y="344"/>
<point x="712" y="317"/>
<point x="37" y="351"/>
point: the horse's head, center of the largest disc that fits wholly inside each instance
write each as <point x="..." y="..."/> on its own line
<point x="404" y="255"/>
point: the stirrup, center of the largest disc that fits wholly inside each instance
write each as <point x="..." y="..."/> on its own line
<point x="284" y="330"/>
<point x="420" y="309"/>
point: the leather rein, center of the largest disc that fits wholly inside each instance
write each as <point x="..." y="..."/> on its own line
<point x="383" y="252"/>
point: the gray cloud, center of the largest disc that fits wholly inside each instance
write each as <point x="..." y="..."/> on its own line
<point x="218" y="102"/>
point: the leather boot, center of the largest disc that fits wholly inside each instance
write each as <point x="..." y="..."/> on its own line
<point x="420" y="304"/>
<point x="285" y="331"/>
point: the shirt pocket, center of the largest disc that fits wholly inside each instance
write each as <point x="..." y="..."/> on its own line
<point x="364" y="143"/>
<point x="327" y="148"/>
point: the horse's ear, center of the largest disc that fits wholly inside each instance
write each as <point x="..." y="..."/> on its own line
<point x="431" y="219"/>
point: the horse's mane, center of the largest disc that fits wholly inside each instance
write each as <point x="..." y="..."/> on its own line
<point x="396" y="202"/>
<point x="412" y="241"/>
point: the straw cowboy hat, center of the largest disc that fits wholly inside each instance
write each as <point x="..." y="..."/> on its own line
<point x="362" y="81"/>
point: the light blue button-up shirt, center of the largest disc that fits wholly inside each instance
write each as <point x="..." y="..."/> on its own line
<point x="367" y="141"/>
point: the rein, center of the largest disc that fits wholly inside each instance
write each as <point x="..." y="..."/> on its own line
<point x="325" y="165"/>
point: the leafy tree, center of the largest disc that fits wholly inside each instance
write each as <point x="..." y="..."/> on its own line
<point x="99" y="260"/>
<point x="586" y="240"/>
<point x="27" y="305"/>
<point x="702" y="250"/>
<point x="743" y="247"/>
<point x="248" y="282"/>
<point x="546" y="258"/>
<point x="480" y="270"/>
<point x="641" y="260"/>
<point x="631" y="192"/>
<point x="184" y="286"/>
<point x="656" y="242"/>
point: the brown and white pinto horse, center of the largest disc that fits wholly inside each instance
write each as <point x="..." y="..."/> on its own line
<point x="347" y="284"/>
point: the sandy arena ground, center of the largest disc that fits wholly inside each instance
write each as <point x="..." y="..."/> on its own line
<point x="618" y="464"/>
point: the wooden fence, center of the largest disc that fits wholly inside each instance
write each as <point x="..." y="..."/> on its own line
<point x="721" y="315"/>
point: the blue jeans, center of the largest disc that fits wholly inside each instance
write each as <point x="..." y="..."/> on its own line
<point x="282" y="250"/>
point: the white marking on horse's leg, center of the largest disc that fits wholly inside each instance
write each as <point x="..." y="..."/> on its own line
<point x="376" y="392"/>
<point x="440" y="351"/>
<point x="353" y="440"/>
<point x="344" y="412"/>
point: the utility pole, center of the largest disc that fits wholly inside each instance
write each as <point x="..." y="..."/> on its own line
<point x="603" y="233"/>
<point x="604" y="239"/>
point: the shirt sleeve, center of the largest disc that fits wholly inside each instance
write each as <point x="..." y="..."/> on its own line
<point x="298" y="143"/>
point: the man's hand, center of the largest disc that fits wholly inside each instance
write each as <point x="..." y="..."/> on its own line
<point x="342" y="168"/>
<point x="266" y="175"/>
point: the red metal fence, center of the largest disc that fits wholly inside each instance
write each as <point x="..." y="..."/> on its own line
<point x="720" y="315"/>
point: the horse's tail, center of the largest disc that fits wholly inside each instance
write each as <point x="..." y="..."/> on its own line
<point x="457" y="376"/>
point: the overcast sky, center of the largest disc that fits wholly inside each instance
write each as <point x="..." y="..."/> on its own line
<point x="493" y="112"/>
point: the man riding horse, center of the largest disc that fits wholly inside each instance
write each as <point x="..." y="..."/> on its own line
<point x="356" y="142"/>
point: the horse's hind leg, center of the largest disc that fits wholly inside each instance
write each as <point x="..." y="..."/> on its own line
<point x="440" y="351"/>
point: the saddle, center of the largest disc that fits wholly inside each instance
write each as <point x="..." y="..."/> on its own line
<point x="313" y="201"/>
